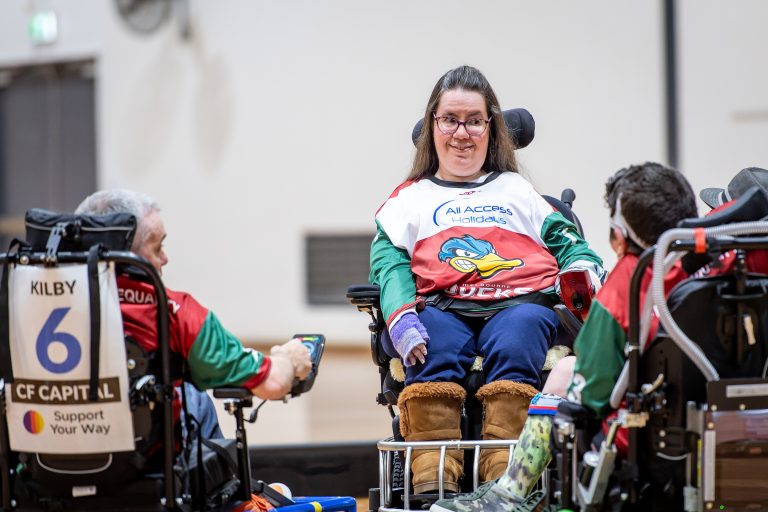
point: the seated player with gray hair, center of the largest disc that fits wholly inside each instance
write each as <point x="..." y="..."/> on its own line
<point x="214" y="356"/>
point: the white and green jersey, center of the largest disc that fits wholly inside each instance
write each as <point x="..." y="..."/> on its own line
<point x="484" y="241"/>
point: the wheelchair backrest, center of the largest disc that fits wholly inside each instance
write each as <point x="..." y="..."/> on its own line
<point x="727" y="317"/>
<point x="729" y="325"/>
<point x="76" y="417"/>
<point x="712" y="328"/>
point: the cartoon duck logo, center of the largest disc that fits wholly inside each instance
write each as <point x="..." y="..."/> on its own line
<point x="468" y="254"/>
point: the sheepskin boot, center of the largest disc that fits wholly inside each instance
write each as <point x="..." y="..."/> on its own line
<point x="431" y="411"/>
<point x="505" y="409"/>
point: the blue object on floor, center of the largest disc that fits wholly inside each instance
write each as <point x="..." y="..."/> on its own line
<point x="320" y="504"/>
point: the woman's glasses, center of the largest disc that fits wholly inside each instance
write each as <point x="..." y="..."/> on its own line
<point x="474" y="126"/>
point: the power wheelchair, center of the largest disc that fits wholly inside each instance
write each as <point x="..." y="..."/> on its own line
<point x="152" y="467"/>
<point x="694" y="401"/>
<point x="394" y="492"/>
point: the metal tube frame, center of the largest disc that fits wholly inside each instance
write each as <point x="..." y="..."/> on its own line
<point x="386" y="448"/>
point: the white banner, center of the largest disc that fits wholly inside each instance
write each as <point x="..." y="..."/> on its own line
<point x="48" y="406"/>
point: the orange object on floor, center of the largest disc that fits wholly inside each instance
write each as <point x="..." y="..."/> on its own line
<point x="256" y="504"/>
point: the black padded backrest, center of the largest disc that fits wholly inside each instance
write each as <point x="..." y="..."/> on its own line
<point x="520" y="125"/>
<point x="115" y="231"/>
<point x="708" y="311"/>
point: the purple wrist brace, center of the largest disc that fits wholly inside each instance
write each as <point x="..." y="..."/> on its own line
<point x="406" y="334"/>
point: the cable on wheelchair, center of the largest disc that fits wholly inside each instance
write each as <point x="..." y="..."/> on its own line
<point x="255" y="412"/>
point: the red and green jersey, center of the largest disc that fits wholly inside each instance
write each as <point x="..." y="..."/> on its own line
<point x="599" y="345"/>
<point x="483" y="241"/>
<point x="214" y="355"/>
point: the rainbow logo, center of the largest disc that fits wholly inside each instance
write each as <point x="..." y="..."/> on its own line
<point x="33" y="422"/>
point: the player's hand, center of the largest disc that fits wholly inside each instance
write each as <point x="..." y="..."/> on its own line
<point x="419" y="353"/>
<point x="298" y="354"/>
<point x="410" y="338"/>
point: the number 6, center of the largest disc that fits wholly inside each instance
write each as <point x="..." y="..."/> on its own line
<point x="49" y="335"/>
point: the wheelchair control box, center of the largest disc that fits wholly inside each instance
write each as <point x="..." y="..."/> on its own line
<point x="315" y="343"/>
<point x="576" y="292"/>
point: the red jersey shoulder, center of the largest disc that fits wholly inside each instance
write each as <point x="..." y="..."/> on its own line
<point x="133" y="291"/>
<point x="138" y="305"/>
<point x="614" y="295"/>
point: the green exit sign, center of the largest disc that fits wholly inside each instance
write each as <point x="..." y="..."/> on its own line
<point x="43" y="27"/>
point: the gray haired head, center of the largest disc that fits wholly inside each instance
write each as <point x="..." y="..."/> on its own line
<point x="121" y="201"/>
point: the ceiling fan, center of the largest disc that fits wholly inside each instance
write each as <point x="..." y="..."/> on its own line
<point x="146" y="16"/>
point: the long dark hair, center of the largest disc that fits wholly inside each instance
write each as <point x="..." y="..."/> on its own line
<point x="501" y="147"/>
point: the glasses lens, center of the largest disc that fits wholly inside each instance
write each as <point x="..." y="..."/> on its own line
<point x="475" y="126"/>
<point x="447" y="124"/>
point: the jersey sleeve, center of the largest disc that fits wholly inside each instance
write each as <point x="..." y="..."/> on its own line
<point x="568" y="247"/>
<point x="599" y="349"/>
<point x="562" y="238"/>
<point x="391" y="270"/>
<point x="217" y="358"/>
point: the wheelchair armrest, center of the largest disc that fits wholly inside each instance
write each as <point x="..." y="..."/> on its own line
<point x="236" y="393"/>
<point x="576" y="413"/>
<point x="364" y="296"/>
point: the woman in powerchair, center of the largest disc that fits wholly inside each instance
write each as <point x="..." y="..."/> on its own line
<point x="467" y="255"/>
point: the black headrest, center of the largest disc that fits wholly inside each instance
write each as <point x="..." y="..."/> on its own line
<point x="752" y="205"/>
<point x="520" y="125"/>
<point x="114" y="231"/>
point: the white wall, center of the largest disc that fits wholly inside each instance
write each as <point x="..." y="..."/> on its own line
<point x="724" y="89"/>
<point x="281" y="118"/>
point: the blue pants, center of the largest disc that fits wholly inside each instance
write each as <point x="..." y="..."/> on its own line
<point x="513" y="343"/>
<point x="201" y="408"/>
